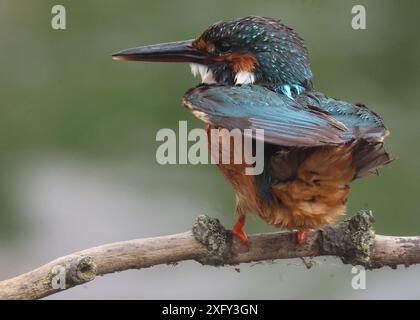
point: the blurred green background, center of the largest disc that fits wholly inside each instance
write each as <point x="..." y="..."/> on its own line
<point x="77" y="138"/>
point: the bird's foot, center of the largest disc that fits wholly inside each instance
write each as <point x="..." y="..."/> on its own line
<point x="239" y="232"/>
<point x="301" y="235"/>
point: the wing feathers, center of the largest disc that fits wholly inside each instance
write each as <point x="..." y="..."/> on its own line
<point x="312" y="120"/>
<point x="253" y="107"/>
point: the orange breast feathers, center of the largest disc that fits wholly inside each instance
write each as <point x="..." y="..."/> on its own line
<point x="318" y="194"/>
<point x="314" y="193"/>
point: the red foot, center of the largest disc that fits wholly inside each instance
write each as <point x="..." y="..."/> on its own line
<point x="237" y="230"/>
<point x="301" y="235"/>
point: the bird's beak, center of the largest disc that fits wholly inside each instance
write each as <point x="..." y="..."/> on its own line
<point x="180" y="51"/>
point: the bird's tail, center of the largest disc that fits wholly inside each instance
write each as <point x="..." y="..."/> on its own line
<point x="368" y="158"/>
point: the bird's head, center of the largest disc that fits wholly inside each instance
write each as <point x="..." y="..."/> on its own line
<point x="241" y="51"/>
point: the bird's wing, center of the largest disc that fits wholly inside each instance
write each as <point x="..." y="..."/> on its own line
<point x="285" y="122"/>
<point x="362" y="122"/>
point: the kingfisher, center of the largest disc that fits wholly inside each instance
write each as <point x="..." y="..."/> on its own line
<point x="255" y="74"/>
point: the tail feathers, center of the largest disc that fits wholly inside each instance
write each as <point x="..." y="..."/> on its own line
<point x="368" y="158"/>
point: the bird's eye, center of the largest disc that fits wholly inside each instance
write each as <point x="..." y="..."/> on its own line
<point x="224" y="46"/>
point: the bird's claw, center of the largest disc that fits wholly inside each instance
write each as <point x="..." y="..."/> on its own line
<point x="239" y="232"/>
<point x="241" y="235"/>
<point x="301" y="235"/>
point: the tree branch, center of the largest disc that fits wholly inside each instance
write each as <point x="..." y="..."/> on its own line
<point x="353" y="240"/>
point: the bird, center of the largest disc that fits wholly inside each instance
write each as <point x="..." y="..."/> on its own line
<point x="255" y="74"/>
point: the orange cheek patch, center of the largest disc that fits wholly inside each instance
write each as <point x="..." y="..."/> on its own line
<point x="240" y="62"/>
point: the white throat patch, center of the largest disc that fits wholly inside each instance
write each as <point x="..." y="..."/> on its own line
<point x="242" y="77"/>
<point x="205" y="73"/>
